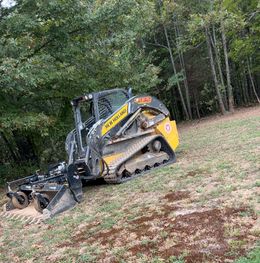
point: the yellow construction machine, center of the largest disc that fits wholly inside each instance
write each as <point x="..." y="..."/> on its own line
<point x="117" y="137"/>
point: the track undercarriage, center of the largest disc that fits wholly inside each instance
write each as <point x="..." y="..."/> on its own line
<point x="142" y="156"/>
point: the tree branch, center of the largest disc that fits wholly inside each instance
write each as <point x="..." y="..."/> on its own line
<point x="156" y="44"/>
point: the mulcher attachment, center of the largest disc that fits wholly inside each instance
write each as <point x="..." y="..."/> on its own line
<point x="39" y="197"/>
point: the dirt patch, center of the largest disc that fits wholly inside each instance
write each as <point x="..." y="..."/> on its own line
<point x="214" y="234"/>
<point x="143" y="248"/>
<point x="108" y="236"/>
<point x="80" y="235"/>
<point x="205" y="235"/>
<point x="144" y="219"/>
<point x="202" y="234"/>
<point x="195" y="172"/>
<point x="177" y="195"/>
<point x="167" y="209"/>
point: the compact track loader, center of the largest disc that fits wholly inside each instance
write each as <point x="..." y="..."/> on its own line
<point x="117" y="137"/>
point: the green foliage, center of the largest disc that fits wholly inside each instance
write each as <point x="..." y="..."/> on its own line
<point x="30" y="121"/>
<point x="9" y="171"/>
<point x="175" y="78"/>
<point x="53" y="51"/>
<point x="252" y="257"/>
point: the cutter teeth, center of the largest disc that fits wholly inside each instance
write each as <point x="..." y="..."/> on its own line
<point x="32" y="221"/>
<point x="7" y="215"/>
<point x="19" y="217"/>
<point x="2" y="214"/>
<point x="14" y="216"/>
<point x="23" y="218"/>
<point x="38" y="221"/>
<point x="29" y="220"/>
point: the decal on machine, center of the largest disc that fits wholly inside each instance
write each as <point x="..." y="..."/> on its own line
<point x="115" y="119"/>
<point x="168" y="127"/>
<point x="143" y="100"/>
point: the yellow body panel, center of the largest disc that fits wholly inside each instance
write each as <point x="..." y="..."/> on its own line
<point x="110" y="158"/>
<point x="168" y="130"/>
<point x="148" y="114"/>
<point x="115" y="119"/>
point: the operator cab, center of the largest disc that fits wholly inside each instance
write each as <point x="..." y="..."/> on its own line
<point x="91" y="108"/>
<point x="100" y="105"/>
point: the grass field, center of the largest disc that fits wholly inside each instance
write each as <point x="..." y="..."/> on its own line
<point x="204" y="208"/>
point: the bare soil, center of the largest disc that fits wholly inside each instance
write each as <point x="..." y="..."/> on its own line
<point x="202" y="233"/>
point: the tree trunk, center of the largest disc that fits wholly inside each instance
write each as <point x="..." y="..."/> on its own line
<point x="214" y="75"/>
<point x="215" y="46"/>
<point x="229" y="87"/>
<point x="252" y="81"/>
<point x="175" y="72"/>
<point x="195" y="97"/>
<point x="182" y="62"/>
<point x="245" y="86"/>
<point x="218" y="60"/>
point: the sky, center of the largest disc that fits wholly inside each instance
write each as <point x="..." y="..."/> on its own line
<point x="8" y="3"/>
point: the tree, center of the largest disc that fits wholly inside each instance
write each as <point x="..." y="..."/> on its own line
<point x="53" y="51"/>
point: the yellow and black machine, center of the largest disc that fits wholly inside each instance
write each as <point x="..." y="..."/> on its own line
<point x="117" y="137"/>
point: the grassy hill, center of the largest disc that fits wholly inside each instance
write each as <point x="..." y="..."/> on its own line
<point x="204" y="208"/>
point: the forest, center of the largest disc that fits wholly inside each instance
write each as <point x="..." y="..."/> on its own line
<point x="200" y="57"/>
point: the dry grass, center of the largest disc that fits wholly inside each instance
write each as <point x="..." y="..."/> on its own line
<point x="204" y="208"/>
